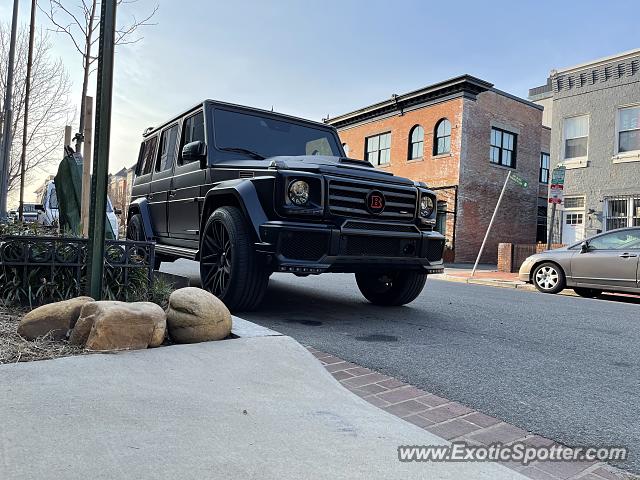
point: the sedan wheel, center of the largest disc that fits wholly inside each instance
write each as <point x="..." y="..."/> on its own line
<point x="549" y="278"/>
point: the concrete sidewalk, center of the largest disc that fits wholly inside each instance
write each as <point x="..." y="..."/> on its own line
<point x="260" y="406"/>
<point x="484" y="275"/>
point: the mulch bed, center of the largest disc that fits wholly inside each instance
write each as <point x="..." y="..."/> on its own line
<point x="14" y="348"/>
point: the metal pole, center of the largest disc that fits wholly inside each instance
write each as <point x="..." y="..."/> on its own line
<point x="5" y="154"/>
<point x="86" y="165"/>
<point x="97" y="220"/>
<point x="27" y="87"/>
<point x="493" y="217"/>
<point x="551" y="226"/>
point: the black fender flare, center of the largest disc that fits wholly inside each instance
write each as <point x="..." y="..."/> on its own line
<point x="245" y="195"/>
<point x="141" y="206"/>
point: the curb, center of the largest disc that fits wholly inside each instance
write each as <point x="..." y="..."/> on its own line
<point x="454" y="421"/>
<point x="488" y="282"/>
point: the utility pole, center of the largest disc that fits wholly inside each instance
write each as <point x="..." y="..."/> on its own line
<point x="5" y="153"/>
<point x="67" y="137"/>
<point x="95" y="252"/>
<point x="23" y="156"/>
<point x="493" y="217"/>
<point x="86" y="165"/>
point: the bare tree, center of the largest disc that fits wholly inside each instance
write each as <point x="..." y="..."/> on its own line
<point x="80" y="24"/>
<point x="49" y="109"/>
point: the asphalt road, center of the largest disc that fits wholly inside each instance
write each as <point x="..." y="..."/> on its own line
<point x="563" y="367"/>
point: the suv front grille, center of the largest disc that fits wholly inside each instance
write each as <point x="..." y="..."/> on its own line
<point x="302" y="245"/>
<point x="382" y="227"/>
<point x="435" y="250"/>
<point x="348" y="198"/>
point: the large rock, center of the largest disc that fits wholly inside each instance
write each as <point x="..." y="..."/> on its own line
<point x="195" y="315"/>
<point x="56" y="318"/>
<point x="111" y="325"/>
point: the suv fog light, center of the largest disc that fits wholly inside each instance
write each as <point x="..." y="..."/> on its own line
<point x="299" y="192"/>
<point x="426" y="206"/>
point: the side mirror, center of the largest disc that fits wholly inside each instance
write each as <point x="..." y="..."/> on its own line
<point x="195" y="151"/>
<point x="39" y="207"/>
<point x="584" y="247"/>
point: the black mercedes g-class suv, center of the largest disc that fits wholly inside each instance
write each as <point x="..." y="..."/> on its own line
<point x="248" y="192"/>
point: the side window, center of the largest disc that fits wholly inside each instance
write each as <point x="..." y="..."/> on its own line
<point x="192" y="131"/>
<point x="147" y="151"/>
<point x="167" y="150"/>
<point x="622" y="240"/>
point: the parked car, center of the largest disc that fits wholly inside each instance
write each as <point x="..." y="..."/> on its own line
<point x="48" y="212"/>
<point x="29" y="213"/>
<point x="604" y="263"/>
<point x="249" y="192"/>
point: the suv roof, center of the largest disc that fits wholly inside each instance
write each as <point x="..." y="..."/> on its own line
<point x="152" y="130"/>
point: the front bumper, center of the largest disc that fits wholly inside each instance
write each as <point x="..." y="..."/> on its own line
<point x="355" y="246"/>
<point x="524" y="274"/>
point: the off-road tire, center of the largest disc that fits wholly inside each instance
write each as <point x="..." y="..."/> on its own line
<point x="548" y="277"/>
<point x="229" y="267"/>
<point x="135" y="231"/>
<point x="587" y="292"/>
<point x="401" y="288"/>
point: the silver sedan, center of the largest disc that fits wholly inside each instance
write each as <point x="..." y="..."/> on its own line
<point x="607" y="262"/>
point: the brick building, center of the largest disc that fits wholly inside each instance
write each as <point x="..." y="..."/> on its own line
<point x="594" y="112"/>
<point x="461" y="137"/>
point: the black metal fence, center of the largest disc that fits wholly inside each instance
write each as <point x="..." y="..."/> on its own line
<point x="42" y="269"/>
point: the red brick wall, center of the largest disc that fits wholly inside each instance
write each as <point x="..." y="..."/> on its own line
<point x="481" y="181"/>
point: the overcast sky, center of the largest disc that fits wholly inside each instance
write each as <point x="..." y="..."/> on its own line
<point x="315" y="58"/>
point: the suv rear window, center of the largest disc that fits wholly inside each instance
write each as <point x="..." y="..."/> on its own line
<point x="145" y="162"/>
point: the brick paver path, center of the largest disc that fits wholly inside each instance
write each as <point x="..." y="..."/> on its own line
<point x="454" y="421"/>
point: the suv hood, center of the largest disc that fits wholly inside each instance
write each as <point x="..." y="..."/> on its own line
<point x="342" y="166"/>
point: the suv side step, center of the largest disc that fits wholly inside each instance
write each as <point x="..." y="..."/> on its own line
<point x="180" y="252"/>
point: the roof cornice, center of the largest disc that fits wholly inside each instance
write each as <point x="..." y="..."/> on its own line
<point x="464" y="85"/>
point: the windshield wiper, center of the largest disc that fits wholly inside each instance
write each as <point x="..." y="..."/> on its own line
<point x="246" y="151"/>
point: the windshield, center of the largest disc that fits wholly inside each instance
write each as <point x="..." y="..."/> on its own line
<point x="269" y="137"/>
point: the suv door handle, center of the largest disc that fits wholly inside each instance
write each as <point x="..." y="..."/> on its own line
<point x="172" y="193"/>
<point x="628" y="255"/>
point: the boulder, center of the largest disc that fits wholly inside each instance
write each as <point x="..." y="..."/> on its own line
<point x="195" y="315"/>
<point x="56" y="318"/>
<point x="111" y="325"/>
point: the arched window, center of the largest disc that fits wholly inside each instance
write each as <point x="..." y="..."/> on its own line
<point x="416" y="142"/>
<point x="442" y="140"/>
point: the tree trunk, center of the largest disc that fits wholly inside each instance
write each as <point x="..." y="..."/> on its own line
<point x="85" y="80"/>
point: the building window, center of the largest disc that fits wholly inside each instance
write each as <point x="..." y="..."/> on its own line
<point x="416" y="142"/>
<point x="622" y="212"/>
<point x="574" y="218"/>
<point x="442" y="142"/>
<point x="573" y="202"/>
<point x="503" y="148"/>
<point x="544" y="167"/>
<point x="629" y="129"/>
<point x="576" y="137"/>
<point x="378" y="149"/>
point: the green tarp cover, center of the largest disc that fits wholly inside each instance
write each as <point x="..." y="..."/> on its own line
<point x="68" y="182"/>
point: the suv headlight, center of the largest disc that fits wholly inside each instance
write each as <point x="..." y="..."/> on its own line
<point x="427" y="205"/>
<point x="298" y="192"/>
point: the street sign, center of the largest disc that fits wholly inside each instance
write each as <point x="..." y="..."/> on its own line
<point x="557" y="178"/>
<point x="518" y="180"/>
<point x="556" y="193"/>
